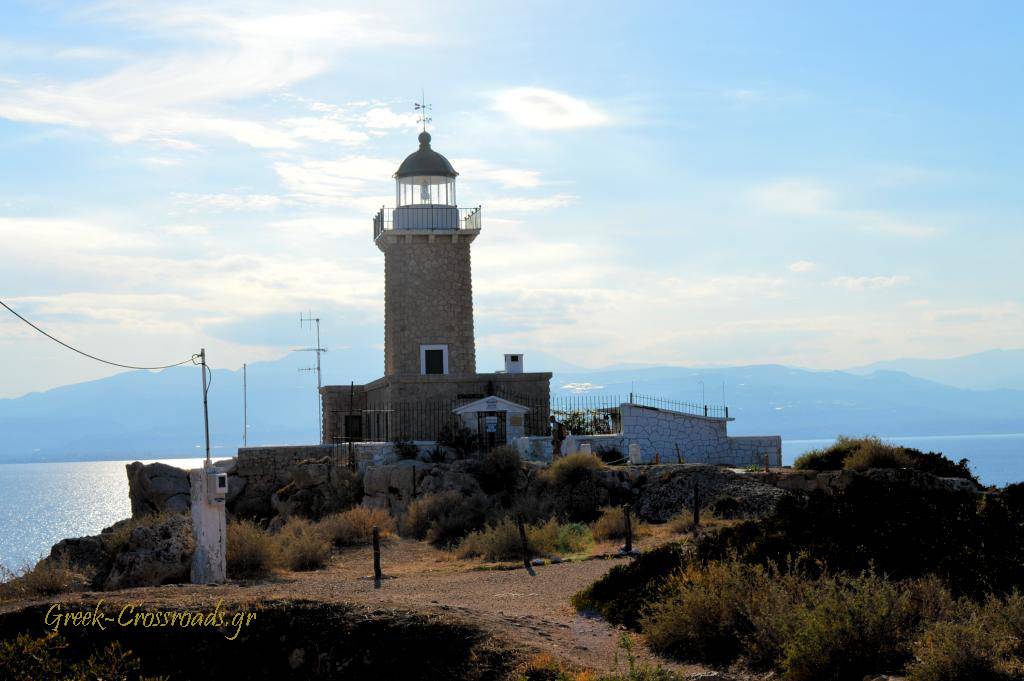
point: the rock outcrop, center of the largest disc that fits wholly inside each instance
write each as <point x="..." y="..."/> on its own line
<point x="317" y="488"/>
<point x="153" y="550"/>
<point x="831" y="482"/>
<point x="661" y="492"/>
<point x="157" y="488"/>
<point x="153" y="554"/>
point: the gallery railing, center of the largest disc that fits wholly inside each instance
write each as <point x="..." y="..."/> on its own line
<point x="426" y="217"/>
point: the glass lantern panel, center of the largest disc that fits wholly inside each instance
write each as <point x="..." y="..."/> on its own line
<point x="426" y="190"/>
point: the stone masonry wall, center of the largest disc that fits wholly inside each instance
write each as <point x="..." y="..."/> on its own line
<point x="428" y="300"/>
<point x="749" y="450"/>
<point x="658" y="431"/>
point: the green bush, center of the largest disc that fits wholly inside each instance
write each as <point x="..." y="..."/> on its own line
<point x="459" y="439"/>
<point x="974" y="544"/>
<point x="626" y="590"/>
<point x="501" y="542"/>
<point x="500" y="472"/>
<point x="445" y="518"/>
<point x="701" y="616"/>
<point x="870" y="452"/>
<point x="574" y="487"/>
<point x="251" y="550"/>
<point x="851" y="627"/>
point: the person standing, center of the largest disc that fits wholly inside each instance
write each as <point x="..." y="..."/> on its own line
<point x="558" y="435"/>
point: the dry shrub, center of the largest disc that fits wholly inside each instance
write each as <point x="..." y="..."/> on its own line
<point x="984" y="644"/>
<point x="703" y="620"/>
<point x="502" y="541"/>
<point x="252" y="551"/>
<point x="302" y="545"/>
<point x="355" y="526"/>
<point x="612" y="525"/>
<point x="873" y="453"/>
<point x="445" y="518"/>
<point x="46" y="578"/>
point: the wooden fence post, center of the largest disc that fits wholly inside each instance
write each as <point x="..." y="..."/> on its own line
<point x="629" y="529"/>
<point x="376" y="557"/>
<point x="696" y="504"/>
<point x="679" y="455"/>
<point x="766" y="462"/>
<point x="525" y="545"/>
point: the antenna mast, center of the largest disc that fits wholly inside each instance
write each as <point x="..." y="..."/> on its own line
<point x="310" y="319"/>
<point x="245" y="408"/>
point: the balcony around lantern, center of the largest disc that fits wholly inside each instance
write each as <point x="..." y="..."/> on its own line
<point x="426" y="217"/>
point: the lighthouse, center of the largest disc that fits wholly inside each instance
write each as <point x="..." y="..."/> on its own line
<point x="428" y="282"/>
<point x="430" y="379"/>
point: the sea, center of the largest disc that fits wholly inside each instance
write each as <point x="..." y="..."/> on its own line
<point x="42" y="503"/>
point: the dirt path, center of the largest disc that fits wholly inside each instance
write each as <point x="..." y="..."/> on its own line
<point x="532" y="613"/>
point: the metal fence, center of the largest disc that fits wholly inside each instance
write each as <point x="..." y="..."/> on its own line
<point x="581" y="414"/>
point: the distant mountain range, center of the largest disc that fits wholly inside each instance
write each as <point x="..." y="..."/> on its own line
<point x="987" y="370"/>
<point x="159" y="414"/>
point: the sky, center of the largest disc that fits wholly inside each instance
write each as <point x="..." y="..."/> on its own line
<point x="820" y="185"/>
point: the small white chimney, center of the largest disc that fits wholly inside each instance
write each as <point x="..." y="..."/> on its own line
<point x="513" y="364"/>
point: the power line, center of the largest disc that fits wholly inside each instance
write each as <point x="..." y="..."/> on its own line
<point x="86" y="354"/>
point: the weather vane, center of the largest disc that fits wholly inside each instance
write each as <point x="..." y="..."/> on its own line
<point x="424" y="109"/>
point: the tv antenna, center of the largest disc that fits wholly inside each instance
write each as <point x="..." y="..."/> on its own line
<point x="424" y="110"/>
<point x="311" y="320"/>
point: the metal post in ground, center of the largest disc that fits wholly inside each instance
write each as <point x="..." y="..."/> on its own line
<point x="766" y="462"/>
<point x="376" y="557"/>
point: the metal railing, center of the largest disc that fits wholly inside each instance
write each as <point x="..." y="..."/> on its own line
<point x="428" y="217"/>
<point x="710" y="411"/>
<point x="582" y="415"/>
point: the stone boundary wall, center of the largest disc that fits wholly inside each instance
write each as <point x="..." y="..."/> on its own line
<point x="749" y="450"/>
<point x="700" y="439"/>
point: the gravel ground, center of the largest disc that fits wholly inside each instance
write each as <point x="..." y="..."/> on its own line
<point x="531" y="613"/>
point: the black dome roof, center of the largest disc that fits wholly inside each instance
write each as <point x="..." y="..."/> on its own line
<point x="425" y="161"/>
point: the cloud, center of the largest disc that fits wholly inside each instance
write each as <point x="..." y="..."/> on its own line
<point x="520" y="204"/>
<point x="217" y="56"/>
<point x="802" y="266"/>
<point x="357" y="181"/>
<point x="544" y="109"/>
<point x="793" y="197"/>
<point x="869" y="283"/>
<point x="811" y="200"/>
<point x="512" y="178"/>
<point x="233" y="202"/>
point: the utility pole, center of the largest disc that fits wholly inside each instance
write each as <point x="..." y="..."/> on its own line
<point x="245" y="408"/>
<point x="310" y="319"/>
<point x="206" y="408"/>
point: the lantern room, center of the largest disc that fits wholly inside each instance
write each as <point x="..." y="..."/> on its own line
<point x="425" y="178"/>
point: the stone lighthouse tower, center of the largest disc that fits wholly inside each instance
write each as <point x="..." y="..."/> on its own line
<point x="430" y="379"/>
<point x="428" y="285"/>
